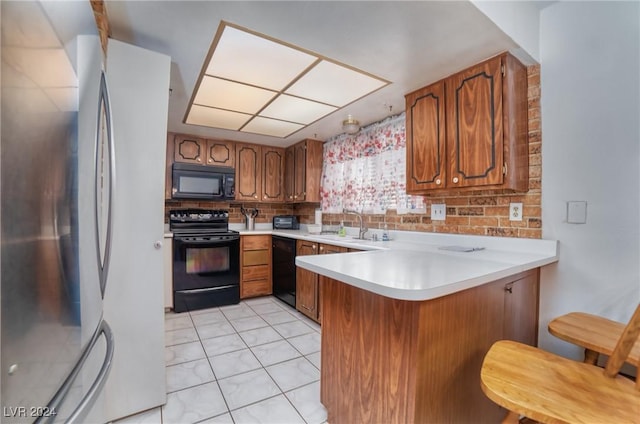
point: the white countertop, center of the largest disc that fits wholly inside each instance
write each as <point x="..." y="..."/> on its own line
<point x="412" y="266"/>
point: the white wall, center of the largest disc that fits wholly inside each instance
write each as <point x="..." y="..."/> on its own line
<point x="590" y="72"/>
<point x="520" y="21"/>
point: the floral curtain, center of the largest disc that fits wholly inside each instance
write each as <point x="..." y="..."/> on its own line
<point x="366" y="171"/>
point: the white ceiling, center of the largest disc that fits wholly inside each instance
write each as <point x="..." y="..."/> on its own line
<point x="410" y="44"/>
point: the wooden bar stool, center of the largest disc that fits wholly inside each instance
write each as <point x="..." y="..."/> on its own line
<point x="597" y="335"/>
<point x="551" y="389"/>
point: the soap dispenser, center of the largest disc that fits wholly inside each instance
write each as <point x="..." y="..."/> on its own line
<point x="385" y="233"/>
<point x="342" y="231"/>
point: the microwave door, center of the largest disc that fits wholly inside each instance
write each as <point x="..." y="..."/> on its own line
<point x="197" y="185"/>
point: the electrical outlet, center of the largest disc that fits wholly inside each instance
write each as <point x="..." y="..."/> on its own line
<point x="438" y="212"/>
<point x="515" y="211"/>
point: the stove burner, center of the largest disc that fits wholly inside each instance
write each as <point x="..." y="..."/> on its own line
<point x="199" y="221"/>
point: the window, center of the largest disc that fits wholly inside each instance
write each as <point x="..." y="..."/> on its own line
<point x="366" y="171"/>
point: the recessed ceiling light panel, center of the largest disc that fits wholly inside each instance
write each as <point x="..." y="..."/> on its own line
<point x="251" y="59"/>
<point x="216" y="118"/>
<point x="295" y="109"/>
<point x="334" y="84"/>
<point x="223" y="94"/>
<point x="272" y="127"/>
<point x="257" y="84"/>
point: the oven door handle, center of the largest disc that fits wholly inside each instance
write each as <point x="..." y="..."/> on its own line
<point x="208" y="289"/>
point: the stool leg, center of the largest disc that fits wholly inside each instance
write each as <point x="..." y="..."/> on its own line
<point x="590" y="357"/>
<point x="511" y="418"/>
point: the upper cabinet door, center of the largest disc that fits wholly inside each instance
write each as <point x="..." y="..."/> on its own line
<point x="289" y="173"/>
<point x="189" y="149"/>
<point x="221" y="153"/>
<point x="474" y="125"/>
<point x="248" y="172"/>
<point x="300" y="178"/>
<point x="426" y="145"/>
<point x="272" y="174"/>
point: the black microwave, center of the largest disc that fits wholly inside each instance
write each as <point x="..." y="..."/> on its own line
<point x="203" y="182"/>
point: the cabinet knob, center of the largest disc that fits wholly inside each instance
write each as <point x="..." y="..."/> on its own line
<point x="290" y="197"/>
<point x="199" y="160"/>
<point x="321" y="248"/>
<point x="210" y="160"/>
<point x="255" y="197"/>
<point x="157" y="244"/>
<point x="265" y="196"/>
<point x="438" y="181"/>
<point x="295" y="197"/>
<point x="455" y="180"/>
<point x="313" y="246"/>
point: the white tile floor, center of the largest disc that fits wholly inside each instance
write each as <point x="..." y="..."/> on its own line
<point x="255" y="362"/>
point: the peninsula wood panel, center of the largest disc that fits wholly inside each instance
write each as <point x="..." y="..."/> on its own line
<point x="326" y="249"/>
<point x="393" y="361"/>
<point x="426" y="146"/>
<point x="367" y="356"/>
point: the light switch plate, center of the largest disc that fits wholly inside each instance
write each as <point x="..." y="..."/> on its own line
<point x="438" y="212"/>
<point x="515" y="211"/>
<point x="577" y="212"/>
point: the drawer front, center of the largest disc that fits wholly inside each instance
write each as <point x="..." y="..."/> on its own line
<point x="255" y="288"/>
<point x="256" y="242"/>
<point x="258" y="272"/>
<point x="255" y="257"/>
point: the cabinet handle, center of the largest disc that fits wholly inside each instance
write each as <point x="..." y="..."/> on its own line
<point x="508" y="289"/>
<point x="455" y="180"/>
<point x="438" y="181"/>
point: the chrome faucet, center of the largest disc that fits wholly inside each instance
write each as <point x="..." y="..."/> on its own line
<point x="363" y="228"/>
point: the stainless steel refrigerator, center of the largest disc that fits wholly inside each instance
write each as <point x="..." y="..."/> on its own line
<point x="81" y="331"/>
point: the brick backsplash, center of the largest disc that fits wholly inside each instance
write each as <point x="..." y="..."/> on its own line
<point x="478" y="213"/>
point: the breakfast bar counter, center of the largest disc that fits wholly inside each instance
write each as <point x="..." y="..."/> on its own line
<point x="405" y="330"/>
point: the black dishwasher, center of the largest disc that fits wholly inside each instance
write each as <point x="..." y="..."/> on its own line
<point x="284" y="269"/>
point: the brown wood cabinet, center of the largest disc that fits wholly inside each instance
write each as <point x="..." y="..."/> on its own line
<point x="418" y="361"/>
<point x="469" y="131"/>
<point x="309" y="284"/>
<point x="255" y="266"/>
<point x="272" y="174"/>
<point x="303" y="171"/>
<point x="248" y="172"/>
<point x="221" y="153"/>
<point x="259" y="173"/>
<point x="189" y="149"/>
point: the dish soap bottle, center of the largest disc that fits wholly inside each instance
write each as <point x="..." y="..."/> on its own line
<point x="342" y="231"/>
<point x="385" y="233"/>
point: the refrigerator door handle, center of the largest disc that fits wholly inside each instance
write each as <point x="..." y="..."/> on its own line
<point x="104" y="257"/>
<point x="90" y="397"/>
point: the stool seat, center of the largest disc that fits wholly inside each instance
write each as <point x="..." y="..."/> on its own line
<point x="597" y="335"/>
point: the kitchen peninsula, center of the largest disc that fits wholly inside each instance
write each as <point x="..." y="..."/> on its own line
<point x="405" y="330"/>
